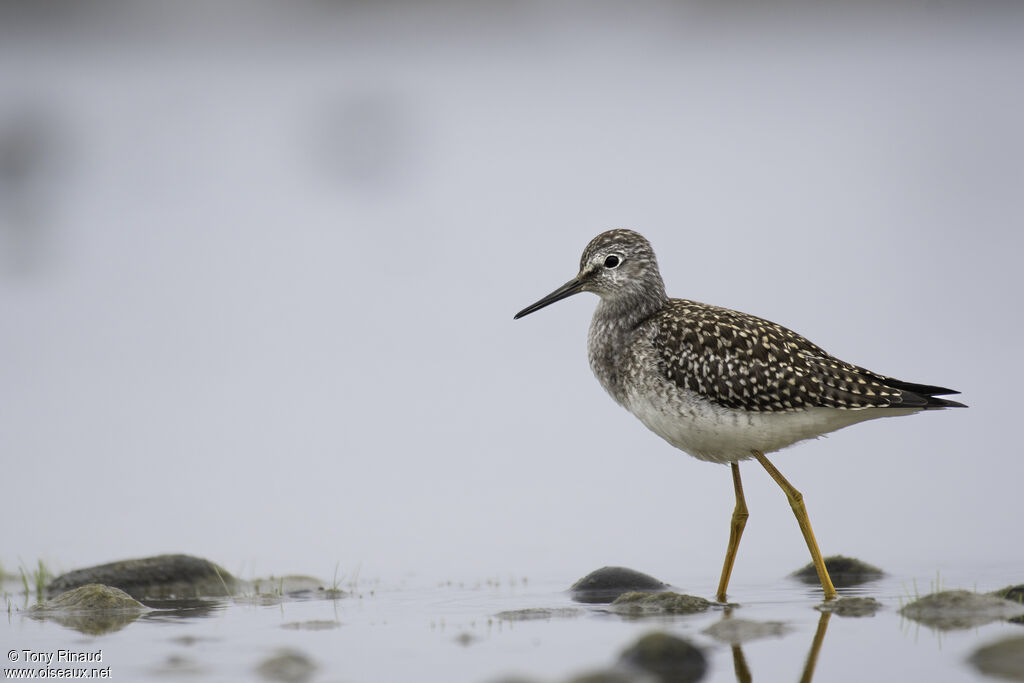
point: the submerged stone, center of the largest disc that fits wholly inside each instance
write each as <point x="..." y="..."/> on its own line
<point x="177" y="667"/>
<point x="535" y="613"/>
<point x="465" y="639"/>
<point x="288" y="666"/>
<point x="159" y="577"/>
<point x="1003" y="659"/>
<point x="607" y="583"/>
<point x="736" y="631"/>
<point x="312" y="625"/>
<point x="959" y="609"/>
<point x="844" y="571"/>
<point x="92" y="609"/>
<point x="851" y="607"/>
<point x="277" y="589"/>
<point x="642" y="604"/>
<point x="667" y="657"/>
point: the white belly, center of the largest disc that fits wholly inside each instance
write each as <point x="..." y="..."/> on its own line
<point x="723" y="435"/>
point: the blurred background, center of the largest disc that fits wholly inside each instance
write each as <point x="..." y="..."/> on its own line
<point x="259" y="261"/>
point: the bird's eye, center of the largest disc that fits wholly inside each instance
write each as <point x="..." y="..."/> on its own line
<point x="612" y="261"/>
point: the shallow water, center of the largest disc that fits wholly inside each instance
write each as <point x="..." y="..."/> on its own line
<point x="423" y="630"/>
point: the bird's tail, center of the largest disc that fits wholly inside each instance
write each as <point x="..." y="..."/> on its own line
<point x="923" y="395"/>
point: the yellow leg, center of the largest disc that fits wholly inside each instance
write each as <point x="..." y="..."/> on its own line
<point x="796" y="501"/>
<point x="739" y="520"/>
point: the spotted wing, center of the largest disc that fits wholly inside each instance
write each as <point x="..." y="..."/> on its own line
<point x="743" y="362"/>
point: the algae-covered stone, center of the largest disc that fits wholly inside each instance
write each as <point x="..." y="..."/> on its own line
<point x="91" y="597"/>
<point x="159" y="577"/>
<point x="668" y="657"/>
<point x="1012" y="593"/>
<point x="637" y="604"/>
<point x="1003" y="659"/>
<point x="288" y="666"/>
<point x="607" y="583"/>
<point x="844" y="571"/>
<point x="736" y="631"/>
<point x="851" y="607"/>
<point x="959" y="609"/>
<point x="92" y="609"/>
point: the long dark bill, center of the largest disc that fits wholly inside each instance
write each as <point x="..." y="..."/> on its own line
<point x="573" y="286"/>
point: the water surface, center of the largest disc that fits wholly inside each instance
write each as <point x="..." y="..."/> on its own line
<point x="419" y="629"/>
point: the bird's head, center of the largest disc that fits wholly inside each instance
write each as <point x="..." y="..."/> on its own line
<point x="617" y="265"/>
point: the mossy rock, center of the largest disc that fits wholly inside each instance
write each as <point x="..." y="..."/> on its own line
<point x="90" y="598"/>
<point x="93" y="609"/>
<point x="158" y="577"/>
<point x="851" y="607"/>
<point x="643" y="604"/>
<point x="1012" y="593"/>
<point x="607" y="583"/>
<point x="959" y="609"/>
<point x="844" y="571"/>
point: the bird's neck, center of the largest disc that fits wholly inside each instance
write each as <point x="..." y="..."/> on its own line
<point x="627" y="310"/>
<point x="612" y="329"/>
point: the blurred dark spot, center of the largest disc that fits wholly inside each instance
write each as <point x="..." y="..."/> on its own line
<point x="365" y="140"/>
<point x="33" y="154"/>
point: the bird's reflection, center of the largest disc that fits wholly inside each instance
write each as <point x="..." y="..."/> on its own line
<point x="739" y="661"/>
<point x="739" y="664"/>
<point x="812" y="656"/>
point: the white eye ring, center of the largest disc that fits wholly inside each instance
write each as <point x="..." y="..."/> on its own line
<point x="613" y="261"/>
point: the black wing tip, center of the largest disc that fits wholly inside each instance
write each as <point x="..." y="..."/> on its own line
<point x="926" y="390"/>
<point x="913" y="399"/>
<point x="944" y="403"/>
<point x="921" y="395"/>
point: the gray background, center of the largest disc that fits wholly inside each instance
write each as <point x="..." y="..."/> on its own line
<point x="258" y="268"/>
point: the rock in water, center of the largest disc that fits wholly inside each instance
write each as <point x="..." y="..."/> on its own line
<point x="851" y="606"/>
<point x="158" y="577"/>
<point x="607" y="583"/>
<point x="844" y="571"/>
<point x="1013" y="593"/>
<point x="93" y="609"/>
<point x="951" y="610"/>
<point x="643" y="604"/>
